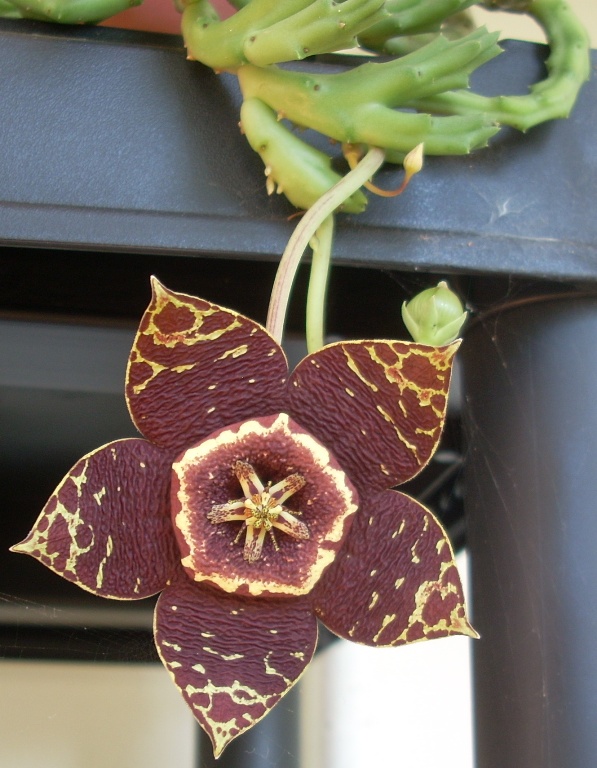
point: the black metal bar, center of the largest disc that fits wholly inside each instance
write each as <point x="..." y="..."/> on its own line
<point x="531" y="495"/>
<point x="272" y="743"/>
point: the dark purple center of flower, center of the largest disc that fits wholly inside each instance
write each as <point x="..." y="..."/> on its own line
<point x="260" y="507"/>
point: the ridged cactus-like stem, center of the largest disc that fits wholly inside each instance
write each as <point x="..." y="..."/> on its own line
<point x="568" y="67"/>
<point x="265" y="32"/>
<point x="404" y="17"/>
<point x="292" y="166"/>
<point x="359" y="106"/>
<point x="65" y="11"/>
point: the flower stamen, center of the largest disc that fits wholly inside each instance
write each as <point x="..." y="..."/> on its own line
<point x="261" y="510"/>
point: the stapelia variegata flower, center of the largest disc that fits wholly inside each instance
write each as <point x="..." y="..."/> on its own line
<point x="259" y="501"/>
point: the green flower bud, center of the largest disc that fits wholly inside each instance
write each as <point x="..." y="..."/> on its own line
<point x="434" y="316"/>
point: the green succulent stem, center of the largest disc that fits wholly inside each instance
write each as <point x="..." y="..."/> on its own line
<point x="219" y="44"/>
<point x="9" y="10"/>
<point x="292" y="166"/>
<point x="321" y="244"/>
<point x="453" y="27"/>
<point x="403" y="17"/>
<point x="265" y="32"/>
<point x="306" y="229"/>
<point x="568" y="67"/>
<point x="66" y="11"/>
<point x="359" y="106"/>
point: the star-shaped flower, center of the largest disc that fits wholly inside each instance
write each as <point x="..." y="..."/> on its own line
<point x="259" y="502"/>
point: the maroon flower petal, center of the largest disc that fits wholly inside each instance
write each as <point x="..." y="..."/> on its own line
<point x="231" y="658"/>
<point x="195" y="367"/>
<point x="107" y="526"/>
<point x="395" y="580"/>
<point x="379" y="405"/>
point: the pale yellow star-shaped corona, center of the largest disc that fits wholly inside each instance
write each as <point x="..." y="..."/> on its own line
<point x="261" y="509"/>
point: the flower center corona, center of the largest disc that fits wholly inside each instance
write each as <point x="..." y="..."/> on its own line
<point x="261" y="510"/>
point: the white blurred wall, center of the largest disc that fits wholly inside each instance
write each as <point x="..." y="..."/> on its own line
<point x="396" y="707"/>
<point x="407" y="707"/>
<point x="86" y="715"/>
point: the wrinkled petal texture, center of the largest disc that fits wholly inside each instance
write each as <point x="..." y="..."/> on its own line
<point x="203" y="477"/>
<point x="107" y="526"/>
<point x="379" y="405"/>
<point x="232" y="659"/>
<point x="196" y="367"/>
<point x="395" y="580"/>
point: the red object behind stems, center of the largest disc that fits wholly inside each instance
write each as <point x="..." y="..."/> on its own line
<point x="158" y="16"/>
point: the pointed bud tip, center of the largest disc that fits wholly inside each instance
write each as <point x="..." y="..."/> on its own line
<point x="413" y="162"/>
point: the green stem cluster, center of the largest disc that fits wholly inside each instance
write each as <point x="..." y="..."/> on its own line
<point x="423" y="96"/>
<point x="406" y="18"/>
<point x="568" y="67"/>
<point x="265" y="32"/>
<point x="292" y="167"/>
<point x="361" y="105"/>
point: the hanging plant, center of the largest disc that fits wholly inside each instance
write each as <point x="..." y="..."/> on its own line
<point x="260" y="500"/>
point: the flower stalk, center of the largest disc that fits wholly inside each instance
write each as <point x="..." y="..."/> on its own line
<point x="321" y="245"/>
<point x="304" y="232"/>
